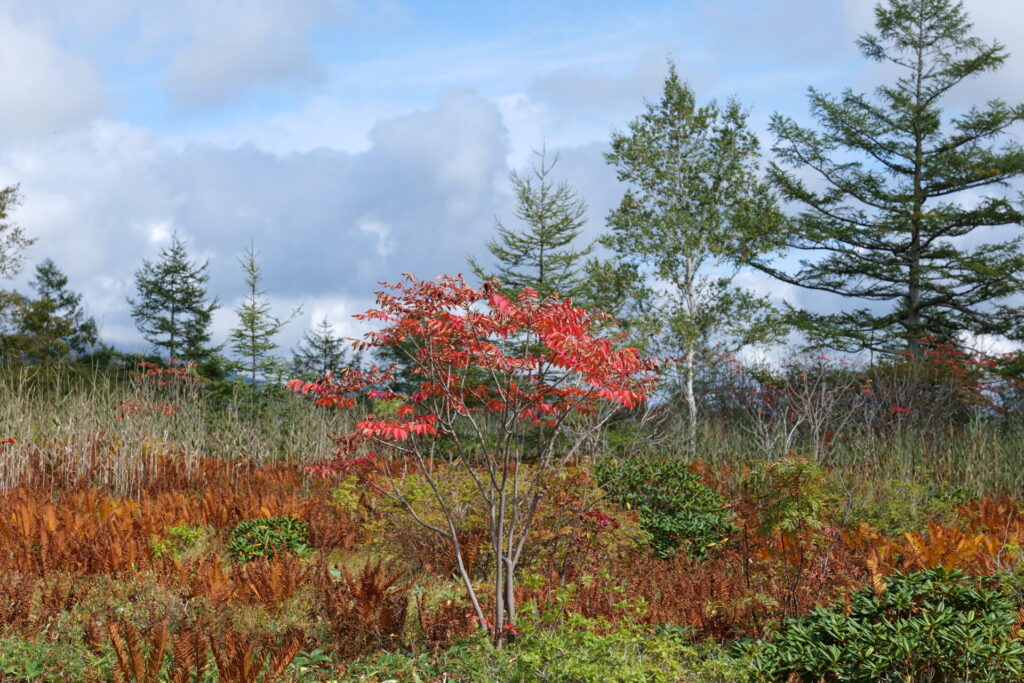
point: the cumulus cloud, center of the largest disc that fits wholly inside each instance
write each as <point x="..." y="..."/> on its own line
<point x="45" y="88"/>
<point x="329" y="225"/>
<point x="343" y="181"/>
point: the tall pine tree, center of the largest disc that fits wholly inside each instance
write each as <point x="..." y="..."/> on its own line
<point x="539" y="255"/>
<point x="172" y="311"/>
<point x="907" y="191"/>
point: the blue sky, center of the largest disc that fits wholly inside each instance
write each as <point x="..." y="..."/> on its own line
<point x="354" y="140"/>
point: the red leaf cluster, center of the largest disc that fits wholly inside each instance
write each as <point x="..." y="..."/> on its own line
<point x="478" y="351"/>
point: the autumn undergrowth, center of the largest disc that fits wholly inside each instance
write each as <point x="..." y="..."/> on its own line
<point x="119" y="497"/>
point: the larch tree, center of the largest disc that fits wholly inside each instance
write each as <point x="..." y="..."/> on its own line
<point x="695" y="207"/>
<point x="540" y="255"/>
<point x="911" y="192"/>
<point x="253" y="339"/>
<point x="172" y="310"/>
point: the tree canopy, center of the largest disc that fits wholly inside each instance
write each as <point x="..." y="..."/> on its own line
<point x="905" y="182"/>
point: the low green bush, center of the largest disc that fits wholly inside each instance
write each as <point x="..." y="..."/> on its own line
<point x="265" y="537"/>
<point x="179" y="540"/>
<point x="792" y="494"/>
<point x="934" y="625"/>
<point x="675" y="508"/>
<point x="898" y="506"/>
<point x="45" y="661"/>
<point x="551" y="646"/>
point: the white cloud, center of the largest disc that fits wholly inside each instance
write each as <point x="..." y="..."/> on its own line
<point x="329" y="225"/>
<point x="236" y="47"/>
<point x="160" y="232"/>
<point x="385" y="241"/>
<point x="45" y="89"/>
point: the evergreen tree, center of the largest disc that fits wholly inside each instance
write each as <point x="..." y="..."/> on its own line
<point x="54" y="297"/>
<point x="12" y="237"/>
<point x="253" y="339"/>
<point x="693" y="209"/>
<point x="540" y="255"/>
<point x="906" y="189"/>
<point x="321" y="351"/>
<point x="172" y="311"/>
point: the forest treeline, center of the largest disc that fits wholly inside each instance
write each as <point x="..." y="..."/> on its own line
<point x="898" y="205"/>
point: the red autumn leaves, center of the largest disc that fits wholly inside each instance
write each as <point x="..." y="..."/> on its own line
<point x="476" y="352"/>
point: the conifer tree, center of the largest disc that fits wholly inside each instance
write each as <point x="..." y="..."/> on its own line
<point x="321" y="351"/>
<point x="540" y="255"/>
<point x="52" y="294"/>
<point x="253" y="339"/>
<point x="172" y="311"/>
<point x="906" y="192"/>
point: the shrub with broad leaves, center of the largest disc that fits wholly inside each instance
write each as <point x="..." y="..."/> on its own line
<point x="503" y="383"/>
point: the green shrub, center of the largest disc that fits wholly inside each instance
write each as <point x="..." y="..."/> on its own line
<point x="46" y="661"/>
<point x="179" y="540"/>
<point x="569" y="648"/>
<point x="932" y="625"/>
<point x="256" y="538"/>
<point x="793" y="493"/>
<point x="897" y="506"/>
<point x="675" y="508"/>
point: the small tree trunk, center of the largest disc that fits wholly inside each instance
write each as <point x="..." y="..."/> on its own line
<point x="691" y="401"/>
<point x="691" y="356"/>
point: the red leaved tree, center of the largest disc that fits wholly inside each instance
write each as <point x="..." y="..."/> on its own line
<point x="509" y="391"/>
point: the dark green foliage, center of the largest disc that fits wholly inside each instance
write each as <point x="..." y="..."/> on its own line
<point x="932" y="625"/>
<point x="908" y="192"/>
<point x="51" y="327"/>
<point x="540" y="256"/>
<point x="266" y="537"/>
<point x="62" y="327"/>
<point x="675" y="508"/>
<point x="172" y="311"/>
<point x="320" y="350"/>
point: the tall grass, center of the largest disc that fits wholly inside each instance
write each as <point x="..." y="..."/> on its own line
<point x="75" y="426"/>
<point x="983" y="458"/>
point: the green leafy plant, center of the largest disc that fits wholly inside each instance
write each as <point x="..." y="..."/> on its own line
<point x="179" y="540"/>
<point x="675" y="508"/>
<point x="41" y="660"/>
<point x="266" y="537"/>
<point x="793" y="493"/>
<point x="897" y="506"/>
<point x="932" y="625"/>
